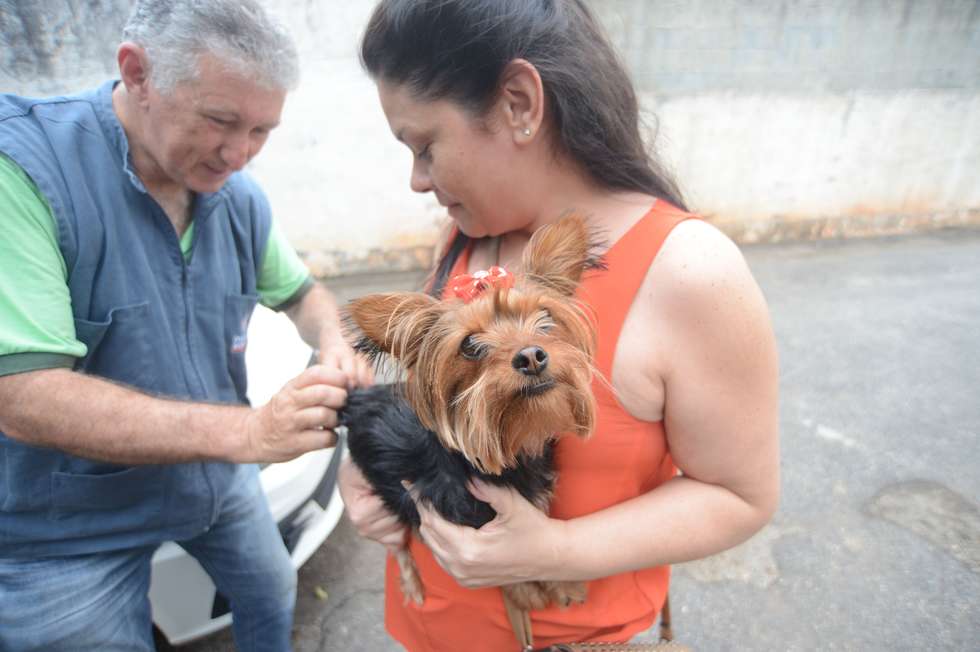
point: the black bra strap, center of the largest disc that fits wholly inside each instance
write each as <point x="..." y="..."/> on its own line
<point x="453" y="252"/>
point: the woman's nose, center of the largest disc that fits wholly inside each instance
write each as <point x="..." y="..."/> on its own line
<point x="420" y="181"/>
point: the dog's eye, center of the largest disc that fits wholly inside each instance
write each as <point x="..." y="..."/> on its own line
<point x="545" y="322"/>
<point x="470" y="349"/>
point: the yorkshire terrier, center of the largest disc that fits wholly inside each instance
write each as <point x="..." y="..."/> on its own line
<point x="491" y="378"/>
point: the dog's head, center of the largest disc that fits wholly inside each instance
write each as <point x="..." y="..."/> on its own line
<point x="504" y="366"/>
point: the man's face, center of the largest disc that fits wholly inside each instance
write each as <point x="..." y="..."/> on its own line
<point x="206" y="129"/>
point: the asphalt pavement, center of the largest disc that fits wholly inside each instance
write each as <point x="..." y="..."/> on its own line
<point x="876" y="545"/>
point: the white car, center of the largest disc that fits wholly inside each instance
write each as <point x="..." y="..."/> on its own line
<point x="302" y="495"/>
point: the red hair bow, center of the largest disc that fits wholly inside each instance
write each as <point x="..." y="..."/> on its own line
<point x="468" y="286"/>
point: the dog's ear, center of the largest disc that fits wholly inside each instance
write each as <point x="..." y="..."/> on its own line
<point x="390" y="323"/>
<point x="559" y="253"/>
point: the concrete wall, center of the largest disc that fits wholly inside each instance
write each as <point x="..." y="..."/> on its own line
<point x="781" y="118"/>
<point x="796" y="118"/>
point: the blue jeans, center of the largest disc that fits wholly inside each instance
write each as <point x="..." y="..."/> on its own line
<point x="99" y="601"/>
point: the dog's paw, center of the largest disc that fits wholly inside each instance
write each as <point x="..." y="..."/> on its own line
<point x="528" y="595"/>
<point x="408" y="575"/>
<point x="412" y="589"/>
<point x="565" y="594"/>
<point x="413" y="594"/>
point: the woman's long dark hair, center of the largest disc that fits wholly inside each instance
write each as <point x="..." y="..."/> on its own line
<point x="458" y="49"/>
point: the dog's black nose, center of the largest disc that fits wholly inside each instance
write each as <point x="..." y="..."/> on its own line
<point x="531" y="361"/>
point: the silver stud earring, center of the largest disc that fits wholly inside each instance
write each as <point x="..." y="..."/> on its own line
<point x="527" y="131"/>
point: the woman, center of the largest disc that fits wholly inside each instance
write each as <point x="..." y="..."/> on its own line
<point x="517" y="111"/>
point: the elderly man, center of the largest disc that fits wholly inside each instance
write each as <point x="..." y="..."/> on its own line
<point x="133" y="252"/>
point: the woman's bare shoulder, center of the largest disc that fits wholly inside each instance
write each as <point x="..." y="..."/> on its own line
<point x="699" y="293"/>
<point x="698" y="264"/>
<point x="697" y="251"/>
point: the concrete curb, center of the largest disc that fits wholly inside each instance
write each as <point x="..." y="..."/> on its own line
<point x="781" y="228"/>
<point x="415" y="260"/>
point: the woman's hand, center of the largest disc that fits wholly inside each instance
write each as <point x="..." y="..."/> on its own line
<point x="365" y="509"/>
<point x="520" y="544"/>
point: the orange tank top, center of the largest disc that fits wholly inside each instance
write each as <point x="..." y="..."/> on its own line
<point x="624" y="458"/>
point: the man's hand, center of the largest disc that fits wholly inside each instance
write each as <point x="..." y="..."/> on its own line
<point x="366" y="511"/>
<point x="318" y="322"/>
<point x="299" y="419"/>
<point x="336" y="353"/>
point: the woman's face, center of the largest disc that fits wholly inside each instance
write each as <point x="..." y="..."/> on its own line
<point x="472" y="169"/>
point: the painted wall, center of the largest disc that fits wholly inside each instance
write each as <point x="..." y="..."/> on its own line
<point x="789" y="118"/>
<point x="781" y="118"/>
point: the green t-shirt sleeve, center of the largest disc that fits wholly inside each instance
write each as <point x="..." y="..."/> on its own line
<point x="283" y="278"/>
<point x="37" y="328"/>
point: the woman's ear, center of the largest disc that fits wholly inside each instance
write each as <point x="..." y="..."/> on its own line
<point x="522" y="100"/>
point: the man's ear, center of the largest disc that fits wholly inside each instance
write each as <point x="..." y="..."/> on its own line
<point x="391" y="323"/>
<point x="134" y="69"/>
<point x="559" y="253"/>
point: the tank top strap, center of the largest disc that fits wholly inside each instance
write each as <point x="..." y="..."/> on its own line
<point x="610" y="291"/>
<point x="459" y="266"/>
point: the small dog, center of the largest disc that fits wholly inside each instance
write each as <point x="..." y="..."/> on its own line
<point x="491" y="378"/>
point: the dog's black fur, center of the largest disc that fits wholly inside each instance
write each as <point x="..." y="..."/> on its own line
<point x="389" y="444"/>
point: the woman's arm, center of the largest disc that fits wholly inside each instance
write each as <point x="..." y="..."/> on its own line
<point x="719" y="373"/>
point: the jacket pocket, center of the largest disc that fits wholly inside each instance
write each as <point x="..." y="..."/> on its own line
<point x="119" y="501"/>
<point x="119" y="347"/>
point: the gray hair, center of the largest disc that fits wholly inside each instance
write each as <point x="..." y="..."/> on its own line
<point x="175" y="33"/>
